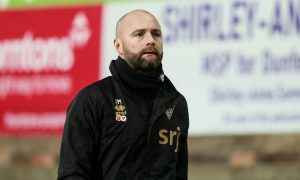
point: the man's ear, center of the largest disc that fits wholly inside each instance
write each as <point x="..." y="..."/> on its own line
<point x="118" y="47"/>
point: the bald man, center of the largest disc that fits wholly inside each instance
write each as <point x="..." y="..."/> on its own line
<point x="134" y="124"/>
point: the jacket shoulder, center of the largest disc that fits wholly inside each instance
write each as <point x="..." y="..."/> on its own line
<point x="103" y="83"/>
<point x="96" y="90"/>
<point x="171" y="88"/>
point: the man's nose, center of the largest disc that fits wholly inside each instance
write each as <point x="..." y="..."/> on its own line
<point x="149" y="39"/>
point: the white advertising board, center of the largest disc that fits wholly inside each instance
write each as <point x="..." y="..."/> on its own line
<point x="236" y="62"/>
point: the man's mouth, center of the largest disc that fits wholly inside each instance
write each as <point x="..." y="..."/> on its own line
<point x="150" y="52"/>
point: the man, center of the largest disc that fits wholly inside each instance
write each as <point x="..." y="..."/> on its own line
<point x="134" y="124"/>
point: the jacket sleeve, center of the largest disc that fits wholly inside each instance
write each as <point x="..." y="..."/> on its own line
<point x="182" y="161"/>
<point x="78" y="140"/>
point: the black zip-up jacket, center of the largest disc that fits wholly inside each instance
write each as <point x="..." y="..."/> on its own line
<point x="108" y="134"/>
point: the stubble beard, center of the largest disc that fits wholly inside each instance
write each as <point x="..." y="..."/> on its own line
<point x="136" y="61"/>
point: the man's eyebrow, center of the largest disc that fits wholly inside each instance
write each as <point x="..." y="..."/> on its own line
<point x="138" y="30"/>
<point x="142" y="30"/>
<point x="156" y="30"/>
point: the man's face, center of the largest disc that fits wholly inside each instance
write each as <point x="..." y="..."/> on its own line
<point x="141" y="43"/>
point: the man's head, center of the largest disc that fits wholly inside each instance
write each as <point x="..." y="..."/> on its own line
<point x="139" y="40"/>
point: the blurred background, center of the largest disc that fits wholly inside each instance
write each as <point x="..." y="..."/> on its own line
<point x="237" y="62"/>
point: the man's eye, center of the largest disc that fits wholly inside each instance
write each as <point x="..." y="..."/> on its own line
<point x="157" y="34"/>
<point x="139" y="34"/>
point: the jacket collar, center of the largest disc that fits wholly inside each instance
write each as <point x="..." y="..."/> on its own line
<point x="165" y="91"/>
